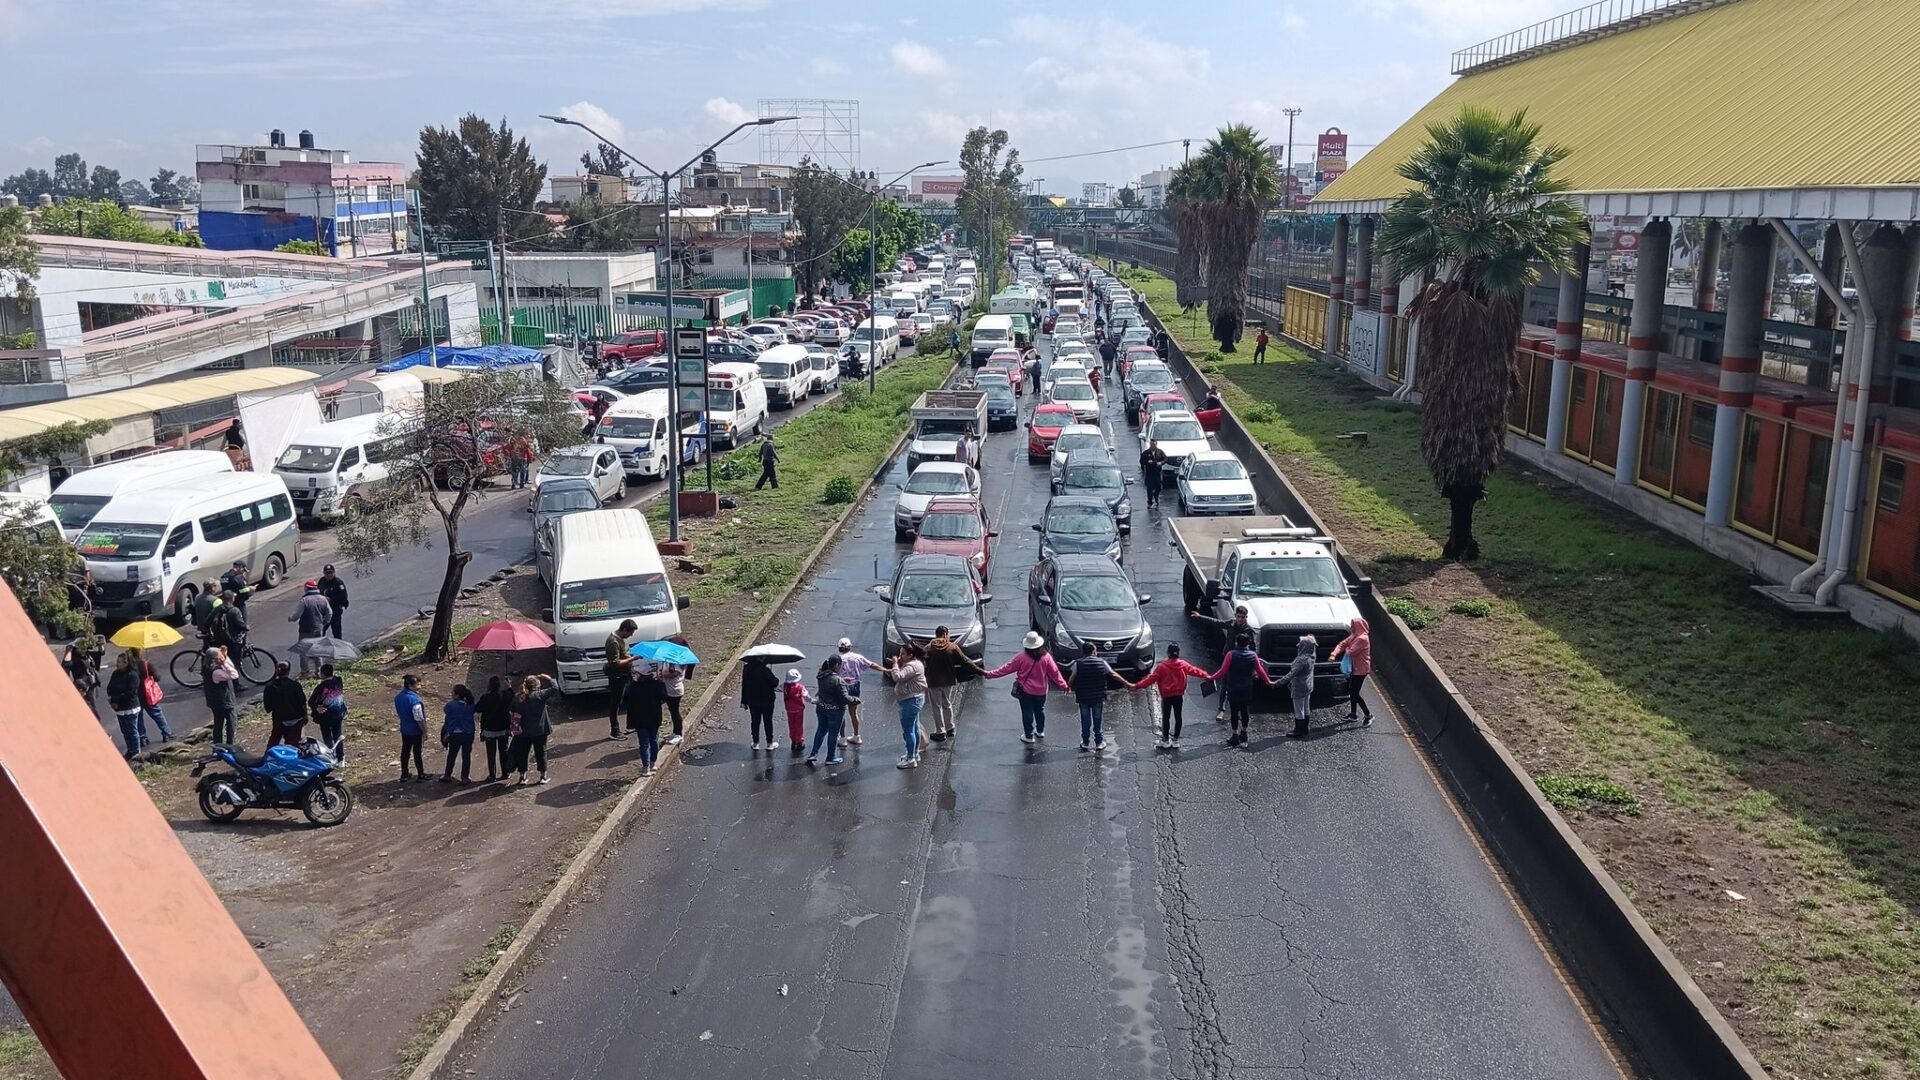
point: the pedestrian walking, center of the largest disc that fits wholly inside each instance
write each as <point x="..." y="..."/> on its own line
<point x="286" y="703"/>
<point x="769" y="460"/>
<point x="794" y="696"/>
<point x="520" y="458"/>
<point x="946" y="662"/>
<point x="151" y="695"/>
<point x="1109" y="351"/>
<point x="328" y="706"/>
<point x="495" y="713"/>
<point x="953" y="342"/>
<point x="219" y="686"/>
<point x="1260" y="347"/>
<point x="315" y="617"/>
<point x="1033" y="670"/>
<point x="123" y="697"/>
<point x="909" y="673"/>
<point x="1239" y="670"/>
<point x="673" y="682"/>
<point x="82" y="666"/>
<point x="644" y="697"/>
<point x="1170" y="677"/>
<point x="852" y="664"/>
<point x="335" y="590"/>
<point x="619" y="672"/>
<point x="1090" y="676"/>
<point x="413" y="727"/>
<point x="759" y="686"/>
<point x="1033" y="368"/>
<point x="829" y="709"/>
<point x="963" y="448"/>
<point x="457" y="718"/>
<point x="1355" y="652"/>
<point x="531" y="724"/>
<point x="1299" y="678"/>
<point x="1161" y="343"/>
<point x="1153" y="463"/>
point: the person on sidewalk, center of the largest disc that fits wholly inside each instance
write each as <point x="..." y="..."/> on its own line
<point x="123" y="697"/>
<point x="673" y="684"/>
<point x="1357" y="649"/>
<point x="335" y="590"/>
<point x="286" y="703"/>
<point x="314" y="615"/>
<point x="150" y="696"/>
<point x="829" y="708"/>
<point x="1153" y="464"/>
<point x="1170" y="677"/>
<point x="794" y="696"/>
<point x="769" y="462"/>
<point x="1299" y="678"/>
<point x="1260" y="347"/>
<point x="456" y="733"/>
<point x="1090" y="676"/>
<point x="619" y="672"/>
<point x="945" y="661"/>
<point x="218" y="687"/>
<point x="1033" y="671"/>
<point x="759" y="686"/>
<point x="910" y="692"/>
<point x="531" y="724"/>
<point x="852" y="664"/>
<point x="413" y="727"/>
<point x="328" y="705"/>
<point x="495" y="712"/>
<point x="1238" y="672"/>
<point x="644" y="697"/>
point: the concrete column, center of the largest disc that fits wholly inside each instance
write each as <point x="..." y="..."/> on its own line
<point x="257" y="358"/>
<point x="1707" y="269"/>
<point x="1888" y="258"/>
<point x="1363" y="266"/>
<point x="1645" y="336"/>
<point x="1337" y="281"/>
<point x="1569" y="326"/>
<point x="386" y="329"/>
<point x="1747" y="282"/>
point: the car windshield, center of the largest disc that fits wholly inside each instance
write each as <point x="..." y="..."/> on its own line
<point x="626" y="427"/>
<point x="721" y="400"/>
<point x="1216" y="470"/>
<point x="111" y="540"/>
<point x="1052" y="418"/>
<point x="1103" y="592"/>
<point x="1073" y="391"/>
<point x="933" y="591"/>
<point x="1079" y="521"/>
<point x="1289" y="576"/>
<point x="1001" y="396"/>
<point x="936" y="482"/>
<point x="75" y="510"/>
<point x="568" y="465"/>
<point x="950" y="525"/>
<point x="1150" y="379"/>
<point x="1100" y="477"/>
<point x="308" y="458"/>
<point x="1178" y="431"/>
<point x="1079" y="440"/>
<point x="567" y="499"/>
<point x="613" y="598"/>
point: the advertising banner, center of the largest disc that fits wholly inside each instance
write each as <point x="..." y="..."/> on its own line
<point x="1330" y="155"/>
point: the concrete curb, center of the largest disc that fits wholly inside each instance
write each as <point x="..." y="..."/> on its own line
<point x="462" y="1028"/>
<point x="1655" y="1009"/>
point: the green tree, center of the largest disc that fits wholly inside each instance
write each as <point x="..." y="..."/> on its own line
<point x="108" y="221"/>
<point x="470" y="176"/>
<point x="70" y="179"/>
<point x="435" y="448"/>
<point x="135" y="193"/>
<point x="171" y="188"/>
<point x="1126" y="198"/>
<point x="28" y="185"/>
<point x="302" y="247"/>
<point x="606" y="160"/>
<point x="103" y="185"/>
<point x="1234" y="182"/>
<point x="593" y="225"/>
<point x="1186" y="214"/>
<point x="850" y="260"/>
<point x="1485" y="213"/>
<point x="19" y="265"/>
<point x="34" y="562"/>
<point x="826" y="206"/>
<point x="990" y="205"/>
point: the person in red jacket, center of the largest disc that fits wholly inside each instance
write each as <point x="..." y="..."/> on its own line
<point x="1170" y="677"/>
<point x="794" y="694"/>
<point x="1357" y="647"/>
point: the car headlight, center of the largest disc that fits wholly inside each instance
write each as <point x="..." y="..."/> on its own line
<point x="1125" y="509"/>
<point x="974" y="635"/>
<point x="146" y="587"/>
<point x="566" y="655"/>
<point x="978" y="559"/>
<point x="1062" y="638"/>
<point x="1145" y="640"/>
<point x="1113" y="551"/>
<point x="892" y="633"/>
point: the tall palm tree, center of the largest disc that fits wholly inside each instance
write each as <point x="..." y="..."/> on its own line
<point x="1486" y="212"/>
<point x="1236" y="181"/>
<point x="1187" y="216"/>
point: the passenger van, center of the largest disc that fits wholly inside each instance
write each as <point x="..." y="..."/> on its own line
<point x="150" y="549"/>
<point x="84" y="493"/>
<point x="637" y="427"/>
<point x="787" y="373"/>
<point x="736" y="403"/>
<point x="30" y="512"/>
<point x="901" y="302"/>
<point x="990" y="333"/>
<point x="328" y="466"/>
<point x="606" y="570"/>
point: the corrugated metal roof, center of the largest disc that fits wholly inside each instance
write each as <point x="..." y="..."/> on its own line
<point x="145" y="400"/>
<point x="1762" y="94"/>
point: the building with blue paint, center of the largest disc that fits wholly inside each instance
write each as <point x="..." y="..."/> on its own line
<point x="255" y="198"/>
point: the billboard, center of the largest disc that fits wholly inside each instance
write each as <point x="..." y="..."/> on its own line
<point x="1330" y="156"/>
<point x="942" y="187"/>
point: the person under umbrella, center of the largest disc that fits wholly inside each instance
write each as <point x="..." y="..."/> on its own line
<point x="645" y="694"/>
<point x="759" y="686"/>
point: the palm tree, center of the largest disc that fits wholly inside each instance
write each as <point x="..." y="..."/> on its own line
<point x="1486" y="212"/>
<point x="1236" y="181"/>
<point x="1187" y="216"/>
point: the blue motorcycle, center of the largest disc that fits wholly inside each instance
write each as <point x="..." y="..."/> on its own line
<point x="283" y="778"/>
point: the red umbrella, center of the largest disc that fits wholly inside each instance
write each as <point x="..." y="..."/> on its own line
<point x="506" y="636"/>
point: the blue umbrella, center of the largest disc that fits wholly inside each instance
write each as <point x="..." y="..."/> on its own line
<point x="664" y="652"/>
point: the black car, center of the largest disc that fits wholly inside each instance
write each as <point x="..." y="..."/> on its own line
<point x="730" y="352"/>
<point x="1078" y="525"/>
<point x="637" y="378"/>
<point x="933" y="590"/>
<point x="1075" y="599"/>
<point x="1003" y="409"/>
<point x="1092" y="473"/>
<point x="1147" y="379"/>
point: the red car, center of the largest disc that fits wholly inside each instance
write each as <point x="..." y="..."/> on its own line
<point x="1010" y="369"/>
<point x="1153" y="404"/>
<point x="1044" y="426"/>
<point x="635" y="345"/>
<point x="955" y="527"/>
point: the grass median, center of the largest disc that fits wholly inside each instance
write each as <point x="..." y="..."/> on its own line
<point x="1750" y="782"/>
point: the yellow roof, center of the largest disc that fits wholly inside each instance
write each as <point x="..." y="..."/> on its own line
<point x="1752" y="95"/>
<point x="145" y="400"/>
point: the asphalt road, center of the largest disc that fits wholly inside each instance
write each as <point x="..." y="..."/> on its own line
<point x="1305" y="908"/>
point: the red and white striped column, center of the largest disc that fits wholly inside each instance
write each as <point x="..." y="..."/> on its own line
<point x="1646" y="336"/>
<point x="1740" y="343"/>
<point x="1336" y="283"/>
<point x="1569" y="326"/>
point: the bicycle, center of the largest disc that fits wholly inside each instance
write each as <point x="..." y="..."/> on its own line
<point x="255" y="665"/>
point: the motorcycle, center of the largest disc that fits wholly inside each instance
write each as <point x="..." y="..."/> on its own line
<point x="283" y="778"/>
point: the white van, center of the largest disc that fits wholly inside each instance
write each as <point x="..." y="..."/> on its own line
<point x="736" y="403"/>
<point x="899" y="302"/>
<point x="84" y="493"/>
<point x="637" y="427"/>
<point x="990" y="333"/>
<point x="787" y="373"/>
<point x="327" y="466"/>
<point x="879" y="335"/>
<point x="19" y="510"/>
<point x="606" y="570"/>
<point x="150" y="549"/>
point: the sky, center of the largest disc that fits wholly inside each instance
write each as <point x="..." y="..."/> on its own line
<point x="135" y="86"/>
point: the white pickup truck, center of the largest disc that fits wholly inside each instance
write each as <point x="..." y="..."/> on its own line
<point x="1286" y="576"/>
<point x="940" y="418"/>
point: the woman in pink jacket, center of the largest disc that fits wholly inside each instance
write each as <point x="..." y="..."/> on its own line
<point x="1033" y="670"/>
<point x="1357" y="647"/>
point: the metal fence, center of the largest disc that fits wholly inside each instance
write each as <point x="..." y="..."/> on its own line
<point x="1580" y="24"/>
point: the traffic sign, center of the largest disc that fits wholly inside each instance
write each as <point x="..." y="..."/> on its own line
<point x="689" y="342"/>
<point x="690" y="371"/>
<point x="693" y="399"/>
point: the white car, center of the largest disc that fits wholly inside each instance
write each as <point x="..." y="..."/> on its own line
<point x="1179" y="435"/>
<point x="1070" y="370"/>
<point x="596" y="463"/>
<point x="826" y="368"/>
<point x="827" y="330"/>
<point x="1214" y="482"/>
<point x="766" y="335"/>
<point x="922" y="323"/>
<point x="929" y="481"/>
<point x="1078" y="395"/>
<point x="1077" y="352"/>
<point x="1075" y="437"/>
<point x="1066" y="327"/>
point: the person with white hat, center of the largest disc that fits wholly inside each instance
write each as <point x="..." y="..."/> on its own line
<point x="851" y="665"/>
<point x="1033" y="670"/>
<point x="794" y="694"/>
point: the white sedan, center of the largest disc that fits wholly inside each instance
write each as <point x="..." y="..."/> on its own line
<point x="596" y="463"/>
<point x="930" y="480"/>
<point x="1078" y="395"/>
<point x="1214" y="482"/>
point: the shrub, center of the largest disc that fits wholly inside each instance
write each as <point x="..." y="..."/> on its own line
<point x="1472" y="609"/>
<point x="1569" y="792"/>
<point x="840" y="490"/>
<point x="1411" y="613"/>
<point x="1263" y="413"/>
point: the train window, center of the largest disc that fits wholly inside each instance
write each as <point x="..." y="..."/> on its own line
<point x="1893" y="484"/>
<point x="1700" y="423"/>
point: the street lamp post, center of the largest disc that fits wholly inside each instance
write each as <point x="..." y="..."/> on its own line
<point x="1286" y="193"/>
<point x="675" y="479"/>
<point x="873" y="248"/>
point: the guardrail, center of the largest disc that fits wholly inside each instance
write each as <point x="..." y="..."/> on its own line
<point x="194" y="262"/>
<point x="1580" y="24"/>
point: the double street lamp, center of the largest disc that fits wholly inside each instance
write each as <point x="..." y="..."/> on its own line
<point x="873" y="246"/>
<point x="674" y="479"/>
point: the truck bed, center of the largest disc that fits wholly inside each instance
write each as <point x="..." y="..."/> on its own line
<point x="1199" y="537"/>
<point x="950" y="400"/>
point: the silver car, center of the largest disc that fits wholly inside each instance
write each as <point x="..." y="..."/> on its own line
<point x="1074" y="437"/>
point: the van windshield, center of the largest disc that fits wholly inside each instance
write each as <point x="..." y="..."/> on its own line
<point x="614" y="598"/>
<point x="308" y="458"/>
<point x="112" y="540"/>
<point x="627" y="427"/>
<point x="725" y="401"/>
<point x="776" y="369"/>
<point x="75" y="510"/>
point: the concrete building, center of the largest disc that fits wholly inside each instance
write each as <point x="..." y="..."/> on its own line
<point x="712" y="184"/>
<point x="589" y="276"/>
<point x="255" y="198"/>
<point x="1152" y="187"/>
<point x="568" y="190"/>
<point x="1096" y="194"/>
<point x="934" y="190"/>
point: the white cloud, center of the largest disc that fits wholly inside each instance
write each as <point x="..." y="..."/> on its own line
<point x="1457" y="23"/>
<point x="913" y="58"/>
<point x="826" y="68"/>
<point x="1143" y="67"/>
<point x="945" y="126"/>
<point x="722" y="111"/>
<point x="36" y="146"/>
<point x="909" y="22"/>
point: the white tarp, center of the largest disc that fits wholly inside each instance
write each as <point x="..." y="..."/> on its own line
<point x="272" y="418"/>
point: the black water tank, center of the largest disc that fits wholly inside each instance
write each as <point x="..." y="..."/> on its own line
<point x="306" y="140"/>
<point x="276" y="137"/>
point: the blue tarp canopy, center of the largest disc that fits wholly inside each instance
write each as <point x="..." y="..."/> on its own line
<point x="480" y="356"/>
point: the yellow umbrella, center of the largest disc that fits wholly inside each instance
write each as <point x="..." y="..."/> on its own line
<point x="145" y="634"/>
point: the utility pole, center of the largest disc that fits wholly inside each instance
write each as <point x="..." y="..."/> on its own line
<point x="1286" y="192"/>
<point x="750" y="303"/>
<point x="426" y="295"/>
<point x="1186" y="147"/>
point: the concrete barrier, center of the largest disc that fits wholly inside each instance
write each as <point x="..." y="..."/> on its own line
<point x="1666" y="1026"/>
